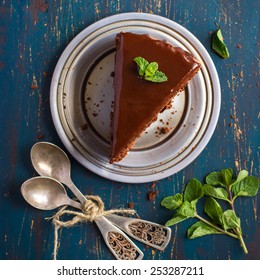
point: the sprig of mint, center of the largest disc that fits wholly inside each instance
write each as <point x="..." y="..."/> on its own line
<point x="219" y="186"/>
<point x="218" y="44"/>
<point x="149" y="71"/>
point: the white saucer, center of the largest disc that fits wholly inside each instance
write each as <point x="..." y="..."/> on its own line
<point x="82" y="95"/>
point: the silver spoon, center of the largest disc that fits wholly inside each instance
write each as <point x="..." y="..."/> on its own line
<point x="46" y="193"/>
<point x="50" y="160"/>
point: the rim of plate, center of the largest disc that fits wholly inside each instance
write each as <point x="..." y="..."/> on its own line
<point x="121" y="172"/>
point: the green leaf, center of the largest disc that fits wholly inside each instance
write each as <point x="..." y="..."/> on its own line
<point x="242" y="175"/>
<point x="193" y="191"/>
<point x="158" y="77"/>
<point x="150" y="69"/>
<point x="213" y="210"/>
<point x="172" y="202"/>
<point x="215" y="179"/>
<point x="177" y="218"/>
<point x="186" y="210"/>
<point x="230" y="220"/>
<point x="246" y="187"/>
<point x="201" y="229"/>
<point x="227" y="176"/>
<point x="219" y="193"/>
<point x="142" y="64"/>
<point x="218" y="44"/>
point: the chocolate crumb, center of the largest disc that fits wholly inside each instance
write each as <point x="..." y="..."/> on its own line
<point x="131" y="205"/>
<point x="164" y="130"/>
<point x="34" y="86"/>
<point x="112" y="74"/>
<point x="151" y="195"/>
<point x="40" y="136"/>
<point x="84" y="126"/>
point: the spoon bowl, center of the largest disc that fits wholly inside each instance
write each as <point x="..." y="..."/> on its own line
<point x="49" y="160"/>
<point x="45" y="193"/>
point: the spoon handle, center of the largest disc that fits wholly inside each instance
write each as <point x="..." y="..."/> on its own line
<point x="119" y="244"/>
<point x="74" y="204"/>
<point x="79" y="195"/>
<point x="152" y="234"/>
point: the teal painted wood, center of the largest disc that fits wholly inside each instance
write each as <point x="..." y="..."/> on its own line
<point x="33" y="35"/>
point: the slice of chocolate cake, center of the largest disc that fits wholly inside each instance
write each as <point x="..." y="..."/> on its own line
<point x="137" y="100"/>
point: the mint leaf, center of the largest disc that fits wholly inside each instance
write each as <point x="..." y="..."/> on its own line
<point x="149" y="71"/>
<point x="177" y="218"/>
<point x="227" y="176"/>
<point x="213" y="210"/>
<point x="246" y="187"/>
<point x="230" y="220"/>
<point x="242" y="175"/>
<point x="214" y="179"/>
<point x="142" y="64"/>
<point x="200" y="229"/>
<point x="186" y="210"/>
<point x="158" y="77"/>
<point x="193" y="191"/>
<point x="218" y="44"/>
<point x="172" y="202"/>
<point x="219" y="193"/>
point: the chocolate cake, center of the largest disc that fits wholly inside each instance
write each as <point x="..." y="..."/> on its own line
<point x="138" y="101"/>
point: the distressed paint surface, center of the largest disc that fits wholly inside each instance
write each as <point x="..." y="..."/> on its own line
<point x="33" y="35"/>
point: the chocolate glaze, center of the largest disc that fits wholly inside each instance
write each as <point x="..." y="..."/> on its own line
<point x="137" y="101"/>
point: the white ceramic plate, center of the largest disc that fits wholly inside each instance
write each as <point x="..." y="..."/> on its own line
<point x="82" y="96"/>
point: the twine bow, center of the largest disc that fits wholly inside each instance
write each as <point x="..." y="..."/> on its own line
<point x="91" y="210"/>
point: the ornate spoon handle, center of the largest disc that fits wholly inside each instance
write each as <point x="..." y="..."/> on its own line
<point x="152" y="234"/>
<point x="119" y="244"/>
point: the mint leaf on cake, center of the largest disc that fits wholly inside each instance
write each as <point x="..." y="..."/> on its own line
<point x="149" y="71"/>
<point x="142" y="64"/>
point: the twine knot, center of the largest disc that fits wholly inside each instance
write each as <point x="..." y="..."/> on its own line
<point x="91" y="210"/>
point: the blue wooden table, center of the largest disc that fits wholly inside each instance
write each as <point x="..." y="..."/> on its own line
<point x="33" y="34"/>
